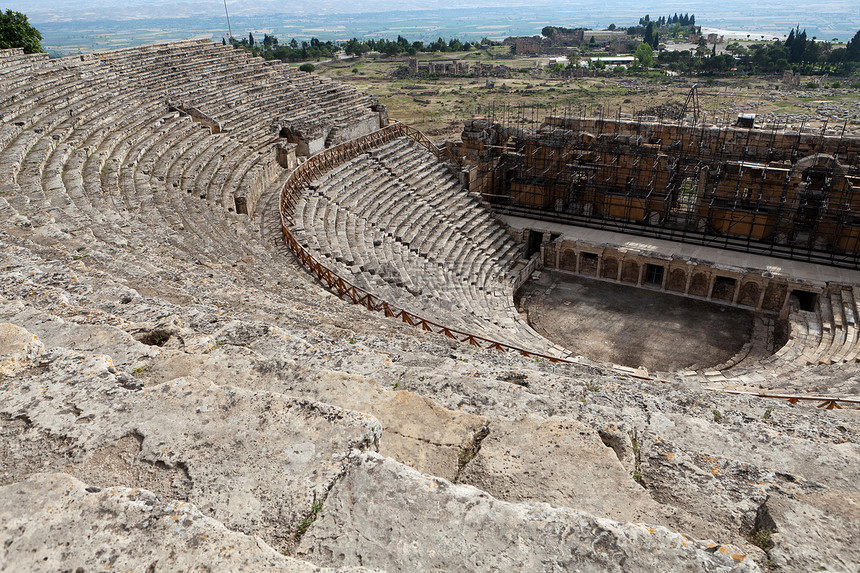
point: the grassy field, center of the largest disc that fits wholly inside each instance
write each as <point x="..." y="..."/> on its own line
<point x="439" y="106"/>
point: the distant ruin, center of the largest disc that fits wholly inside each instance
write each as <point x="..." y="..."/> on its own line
<point x="458" y="68"/>
<point x="764" y="190"/>
<point x="561" y="42"/>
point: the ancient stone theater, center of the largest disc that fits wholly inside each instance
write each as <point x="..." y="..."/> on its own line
<point x="248" y="321"/>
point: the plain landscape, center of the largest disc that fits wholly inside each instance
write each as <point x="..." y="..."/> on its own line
<point x="75" y="27"/>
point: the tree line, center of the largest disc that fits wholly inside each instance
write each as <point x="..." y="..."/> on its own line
<point x="270" y="47"/>
<point x="797" y="52"/>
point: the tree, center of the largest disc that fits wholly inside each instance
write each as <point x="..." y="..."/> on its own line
<point x="16" y="32"/>
<point x="852" y="50"/>
<point x="798" y="47"/>
<point x="649" y="34"/>
<point x="645" y="55"/>
<point x="736" y="49"/>
<point x="702" y="47"/>
<point x="790" y="40"/>
<point x="250" y="39"/>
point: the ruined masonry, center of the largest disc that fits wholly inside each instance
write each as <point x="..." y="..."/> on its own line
<point x="185" y="380"/>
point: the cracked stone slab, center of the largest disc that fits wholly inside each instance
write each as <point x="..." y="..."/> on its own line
<point x="562" y="462"/>
<point x="816" y="532"/>
<point x="54" y="522"/>
<point x="256" y="461"/>
<point x="416" y="430"/>
<point x="387" y="515"/>
<point x="722" y="473"/>
<point x="53" y="331"/>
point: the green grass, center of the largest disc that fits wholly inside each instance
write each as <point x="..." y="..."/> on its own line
<point x="761" y="538"/>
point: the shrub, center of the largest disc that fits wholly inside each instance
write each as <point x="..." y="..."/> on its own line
<point x="307" y="68"/>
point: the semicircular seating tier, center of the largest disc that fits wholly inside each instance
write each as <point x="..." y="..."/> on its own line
<point x="194" y="115"/>
<point x="398" y="224"/>
<point x="154" y="150"/>
<point x="139" y="157"/>
<point x="146" y="152"/>
<point x="819" y="356"/>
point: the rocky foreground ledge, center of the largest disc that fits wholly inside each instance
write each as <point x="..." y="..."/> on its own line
<point x="311" y="439"/>
<point x="222" y="475"/>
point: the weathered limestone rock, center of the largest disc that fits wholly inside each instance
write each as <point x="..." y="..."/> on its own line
<point x="53" y="331"/>
<point x="818" y="532"/>
<point x="256" y="461"/>
<point x="384" y="514"/>
<point x="732" y="439"/>
<point x="53" y="522"/>
<point x="18" y="348"/>
<point x="723" y="472"/>
<point x="562" y="462"/>
<point x="416" y="430"/>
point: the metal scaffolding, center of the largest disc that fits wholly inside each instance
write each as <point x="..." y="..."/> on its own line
<point x="766" y="189"/>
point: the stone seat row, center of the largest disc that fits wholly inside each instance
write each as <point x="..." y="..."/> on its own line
<point x="62" y="178"/>
<point x="825" y="337"/>
<point x="169" y="69"/>
<point x="395" y="220"/>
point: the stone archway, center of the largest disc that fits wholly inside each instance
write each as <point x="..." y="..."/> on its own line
<point x="749" y="294"/>
<point x="677" y="280"/>
<point x="630" y="272"/>
<point x="700" y="284"/>
<point x="567" y="261"/>
<point x="609" y="268"/>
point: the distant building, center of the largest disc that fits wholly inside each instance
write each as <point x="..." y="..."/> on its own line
<point x="528" y="46"/>
<point x="583" y="36"/>
<point x="559" y="42"/>
<point x="457" y="68"/>
<point x="609" y="61"/>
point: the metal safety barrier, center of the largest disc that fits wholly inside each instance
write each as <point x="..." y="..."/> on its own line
<point x="826" y="402"/>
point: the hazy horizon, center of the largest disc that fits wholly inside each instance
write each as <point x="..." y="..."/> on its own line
<point x="70" y="26"/>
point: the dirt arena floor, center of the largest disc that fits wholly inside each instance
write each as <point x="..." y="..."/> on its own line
<point x="634" y="327"/>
